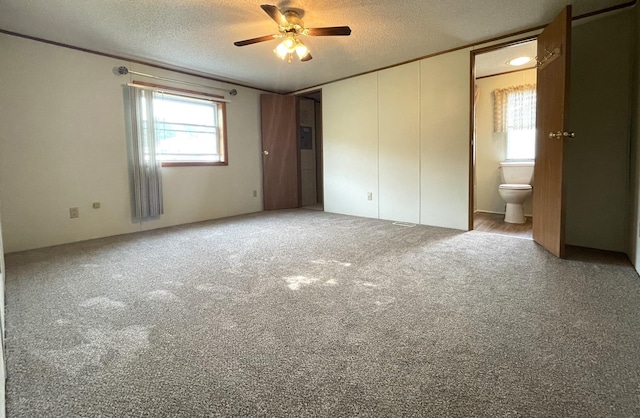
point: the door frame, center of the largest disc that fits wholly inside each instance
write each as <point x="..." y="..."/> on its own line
<point x="472" y="114"/>
<point x="318" y="133"/>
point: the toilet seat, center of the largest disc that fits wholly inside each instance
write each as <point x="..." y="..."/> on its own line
<point x="508" y="186"/>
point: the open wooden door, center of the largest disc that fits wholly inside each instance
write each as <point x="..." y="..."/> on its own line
<point x="280" y="167"/>
<point x="554" y="57"/>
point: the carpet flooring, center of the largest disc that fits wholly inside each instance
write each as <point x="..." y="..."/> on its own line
<point x="303" y="314"/>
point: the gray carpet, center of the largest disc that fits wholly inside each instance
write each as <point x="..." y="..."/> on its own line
<point x="302" y="313"/>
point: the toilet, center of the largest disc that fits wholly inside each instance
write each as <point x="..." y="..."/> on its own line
<point x="517" y="178"/>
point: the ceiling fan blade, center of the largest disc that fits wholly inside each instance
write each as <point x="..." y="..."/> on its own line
<point x="307" y="58"/>
<point x="275" y="14"/>
<point x="330" y="31"/>
<point x="255" y="40"/>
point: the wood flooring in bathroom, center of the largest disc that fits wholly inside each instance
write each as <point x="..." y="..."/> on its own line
<point x="494" y="223"/>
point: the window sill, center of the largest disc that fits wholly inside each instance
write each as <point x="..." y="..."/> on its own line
<point x="192" y="163"/>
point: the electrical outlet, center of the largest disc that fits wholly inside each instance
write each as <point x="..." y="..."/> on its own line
<point x="74" y="212"/>
<point x="369" y="196"/>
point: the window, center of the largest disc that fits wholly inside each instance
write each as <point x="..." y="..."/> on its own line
<point x="521" y="124"/>
<point x="521" y="144"/>
<point x="187" y="130"/>
<point x="515" y="115"/>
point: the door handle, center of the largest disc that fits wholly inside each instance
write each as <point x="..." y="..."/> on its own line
<point x="560" y="135"/>
<point x="265" y="152"/>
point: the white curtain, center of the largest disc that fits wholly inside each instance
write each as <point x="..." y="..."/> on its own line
<point x="147" y="173"/>
<point x="514" y="108"/>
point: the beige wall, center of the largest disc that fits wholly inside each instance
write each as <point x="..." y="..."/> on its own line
<point x="444" y="140"/>
<point x="491" y="148"/>
<point x="399" y="143"/>
<point x="400" y="134"/>
<point x="63" y="144"/>
<point x="350" y="143"/>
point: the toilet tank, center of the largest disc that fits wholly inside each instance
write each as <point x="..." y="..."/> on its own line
<point x="517" y="172"/>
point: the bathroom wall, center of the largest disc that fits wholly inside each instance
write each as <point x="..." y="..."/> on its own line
<point x="491" y="147"/>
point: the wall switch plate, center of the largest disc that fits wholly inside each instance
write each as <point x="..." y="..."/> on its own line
<point x="369" y="196"/>
<point x="96" y="205"/>
<point x="74" y="212"/>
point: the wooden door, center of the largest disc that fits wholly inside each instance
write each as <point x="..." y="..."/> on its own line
<point x="280" y="166"/>
<point x="554" y="55"/>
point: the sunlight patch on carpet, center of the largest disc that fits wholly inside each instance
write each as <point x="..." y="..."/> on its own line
<point x="366" y="284"/>
<point x="387" y="300"/>
<point x="296" y="282"/>
<point x="113" y="346"/>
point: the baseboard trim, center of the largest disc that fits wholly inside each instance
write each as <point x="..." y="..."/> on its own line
<point x="489" y="211"/>
<point x="499" y="213"/>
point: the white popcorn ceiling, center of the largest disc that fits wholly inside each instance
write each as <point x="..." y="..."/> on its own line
<point x="198" y="35"/>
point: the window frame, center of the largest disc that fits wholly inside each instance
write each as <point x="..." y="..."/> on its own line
<point x="222" y="121"/>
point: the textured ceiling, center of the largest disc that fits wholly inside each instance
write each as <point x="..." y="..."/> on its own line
<point x="198" y="35"/>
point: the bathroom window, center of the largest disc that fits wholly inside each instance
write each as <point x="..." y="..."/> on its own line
<point x="521" y="144"/>
<point x="515" y="115"/>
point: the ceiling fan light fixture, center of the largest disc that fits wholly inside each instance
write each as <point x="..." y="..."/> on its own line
<point x="290" y="42"/>
<point x="281" y="51"/>
<point x="301" y="50"/>
<point x="286" y="47"/>
<point x="290" y="45"/>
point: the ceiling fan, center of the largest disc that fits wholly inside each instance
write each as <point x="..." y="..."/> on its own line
<point x="290" y="27"/>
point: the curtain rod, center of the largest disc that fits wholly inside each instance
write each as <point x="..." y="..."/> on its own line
<point x="124" y="70"/>
<point x="184" y="93"/>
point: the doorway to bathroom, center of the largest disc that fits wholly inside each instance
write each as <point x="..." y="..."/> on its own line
<point x="503" y="127"/>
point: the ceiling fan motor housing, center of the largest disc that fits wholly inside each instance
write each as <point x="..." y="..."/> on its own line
<point x="294" y="20"/>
